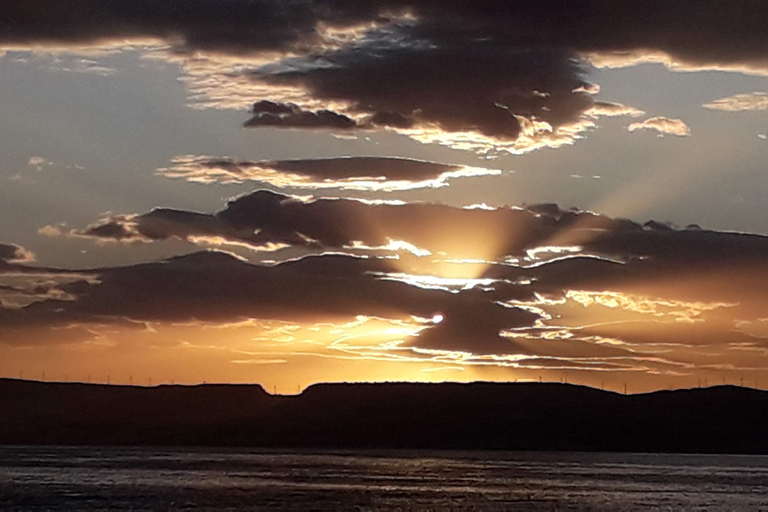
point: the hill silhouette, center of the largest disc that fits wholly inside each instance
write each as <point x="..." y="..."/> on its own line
<point x="498" y="416"/>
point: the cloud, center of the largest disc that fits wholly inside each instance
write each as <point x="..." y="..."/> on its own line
<point x="487" y="78"/>
<point x="754" y="62"/>
<point x="645" y="298"/>
<point x="263" y="219"/>
<point x="200" y="24"/>
<point x="49" y="230"/>
<point x="464" y="243"/>
<point x="86" y="66"/>
<point x="245" y="26"/>
<point x="740" y="102"/>
<point x="610" y="109"/>
<point x="592" y="32"/>
<point x="438" y="236"/>
<point x="212" y="287"/>
<point x="662" y="125"/>
<point x="288" y="115"/>
<point x="475" y="95"/>
<point x="10" y="253"/>
<point x="38" y="162"/>
<point x="385" y="73"/>
<point x="348" y="173"/>
<point x="31" y="289"/>
<point x="651" y="315"/>
<point x="22" y="284"/>
<point x="119" y="228"/>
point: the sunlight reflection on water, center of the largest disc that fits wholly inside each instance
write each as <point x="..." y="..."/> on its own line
<point x="169" y="479"/>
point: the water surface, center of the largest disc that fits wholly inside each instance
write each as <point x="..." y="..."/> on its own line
<point x="45" y="478"/>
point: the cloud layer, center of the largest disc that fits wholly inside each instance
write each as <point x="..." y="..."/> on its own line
<point x="721" y="31"/>
<point x="265" y="220"/>
<point x="426" y="238"/>
<point x="491" y="77"/>
<point x="349" y="173"/>
<point x="676" y="303"/>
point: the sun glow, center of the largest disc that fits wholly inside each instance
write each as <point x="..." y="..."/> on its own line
<point x="549" y="252"/>
<point x="396" y="246"/>
<point x="453" y="285"/>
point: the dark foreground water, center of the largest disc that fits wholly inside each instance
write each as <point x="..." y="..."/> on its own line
<point x="177" y="479"/>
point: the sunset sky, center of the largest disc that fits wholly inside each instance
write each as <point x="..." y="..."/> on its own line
<point x="287" y="192"/>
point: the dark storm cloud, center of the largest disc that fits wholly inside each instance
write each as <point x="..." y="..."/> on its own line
<point x="356" y="173"/>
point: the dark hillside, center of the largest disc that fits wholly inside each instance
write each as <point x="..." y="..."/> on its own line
<point x="724" y="419"/>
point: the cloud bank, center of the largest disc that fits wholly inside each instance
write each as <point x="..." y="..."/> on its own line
<point x="265" y="220"/>
<point x="679" y="302"/>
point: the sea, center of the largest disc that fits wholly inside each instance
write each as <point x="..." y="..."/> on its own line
<point x="166" y="479"/>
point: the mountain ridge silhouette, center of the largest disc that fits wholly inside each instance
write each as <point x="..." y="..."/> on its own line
<point x="477" y="416"/>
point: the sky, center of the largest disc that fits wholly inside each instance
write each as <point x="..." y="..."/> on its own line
<point x="287" y="192"/>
